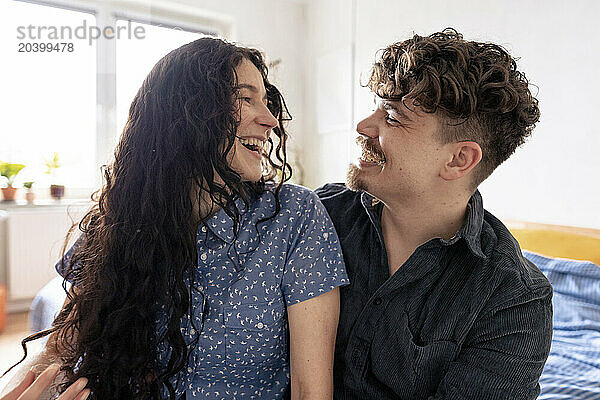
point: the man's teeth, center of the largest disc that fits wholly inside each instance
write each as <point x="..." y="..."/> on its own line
<point x="371" y="158"/>
<point x="259" y="144"/>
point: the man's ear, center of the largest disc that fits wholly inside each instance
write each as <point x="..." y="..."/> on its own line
<point x="463" y="158"/>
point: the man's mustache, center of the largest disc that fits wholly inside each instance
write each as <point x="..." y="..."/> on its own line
<point x="368" y="146"/>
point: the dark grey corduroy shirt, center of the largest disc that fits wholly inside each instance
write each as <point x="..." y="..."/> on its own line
<point x="466" y="318"/>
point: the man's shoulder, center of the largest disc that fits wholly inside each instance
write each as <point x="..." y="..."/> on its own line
<point x="337" y="193"/>
<point x="515" y="272"/>
<point x="343" y="205"/>
<point x="331" y="190"/>
<point x="339" y="200"/>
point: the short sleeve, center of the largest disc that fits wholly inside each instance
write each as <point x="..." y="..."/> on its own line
<point x="62" y="263"/>
<point x="315" y="264"/>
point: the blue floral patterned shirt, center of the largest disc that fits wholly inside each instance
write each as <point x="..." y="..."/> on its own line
<point x="242" y="289"/>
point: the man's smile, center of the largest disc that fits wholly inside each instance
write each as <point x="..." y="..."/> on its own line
<point x="370" y="154"/>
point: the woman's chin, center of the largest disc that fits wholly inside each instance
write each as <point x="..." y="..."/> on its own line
<point x="251" y="177"/>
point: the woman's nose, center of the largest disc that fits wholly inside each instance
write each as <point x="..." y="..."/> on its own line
<point x="267" y="119"/>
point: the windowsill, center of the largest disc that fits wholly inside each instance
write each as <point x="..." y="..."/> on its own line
<point x="42" y="198"/>
<point x="22" y="205"/>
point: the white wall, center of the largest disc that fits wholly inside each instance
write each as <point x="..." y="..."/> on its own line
<point x="553" y="177"/>
<point x="329" y="107"/>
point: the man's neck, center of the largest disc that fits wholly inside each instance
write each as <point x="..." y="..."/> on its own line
<point x="407" y="225"/>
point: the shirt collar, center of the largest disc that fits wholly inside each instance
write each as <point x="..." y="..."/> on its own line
<point x="473" y="225"/>
<point x="221" y="224"/>
<point x="470" y="230"/>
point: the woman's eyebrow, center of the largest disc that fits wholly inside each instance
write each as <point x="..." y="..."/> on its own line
<point x="247" y="86"/>
<point x="250" y="87"/>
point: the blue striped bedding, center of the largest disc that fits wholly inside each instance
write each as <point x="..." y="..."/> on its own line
<point x="573" y="367"/>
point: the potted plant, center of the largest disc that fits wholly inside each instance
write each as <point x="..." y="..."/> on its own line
<point x="9" y="171"/>
<point x="52" y="165"/>
<point x="29" y="195"/>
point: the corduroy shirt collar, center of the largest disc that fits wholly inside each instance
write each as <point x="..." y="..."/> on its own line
<point x="470" y="231"/>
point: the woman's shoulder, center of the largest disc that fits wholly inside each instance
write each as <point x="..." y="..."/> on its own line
<point x="293" y="199"/>
<point x="296" y="196"/>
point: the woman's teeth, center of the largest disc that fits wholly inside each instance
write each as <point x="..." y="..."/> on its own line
<point x="252" y="144"/>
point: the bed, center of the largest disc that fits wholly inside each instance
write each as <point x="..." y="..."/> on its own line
<point x="569" y="257"/>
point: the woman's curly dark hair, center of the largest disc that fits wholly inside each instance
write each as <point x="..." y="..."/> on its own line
<point x="475" y="86"/>
<point x="138" y="242"/>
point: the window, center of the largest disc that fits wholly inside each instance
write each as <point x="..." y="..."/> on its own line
<point x="135" y="59"/>
<point x="75" y="102"/>
<point x="49" y="97"/>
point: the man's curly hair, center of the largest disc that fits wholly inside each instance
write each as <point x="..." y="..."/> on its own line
<point x="474" y="88"/>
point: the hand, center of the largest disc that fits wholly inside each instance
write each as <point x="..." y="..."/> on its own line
<point x="31" y="388"/>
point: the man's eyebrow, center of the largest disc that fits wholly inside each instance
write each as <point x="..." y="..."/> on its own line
<point x="393" y="106"/>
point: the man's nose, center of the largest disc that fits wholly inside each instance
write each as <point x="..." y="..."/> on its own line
<point x="367" y="127"/>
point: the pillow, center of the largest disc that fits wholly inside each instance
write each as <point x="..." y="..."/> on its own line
<point x="576" y="287"/>
<point x="46" y="305"/>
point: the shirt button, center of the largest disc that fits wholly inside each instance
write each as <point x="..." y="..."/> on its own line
<point x="203" y="257"/>
<point x="377" y="301"/>
<point x="203" y="228"/>
<point x="260" y="325"/>
<point x="190" y="370"/>
<point x="192" y="331"/>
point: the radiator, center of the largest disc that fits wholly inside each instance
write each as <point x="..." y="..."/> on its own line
<point x="33" y="239"/>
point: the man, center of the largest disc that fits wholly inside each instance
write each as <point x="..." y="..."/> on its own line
<point x="441" y="304"/>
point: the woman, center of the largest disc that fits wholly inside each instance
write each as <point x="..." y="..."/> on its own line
<point x="194" y="262"/>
